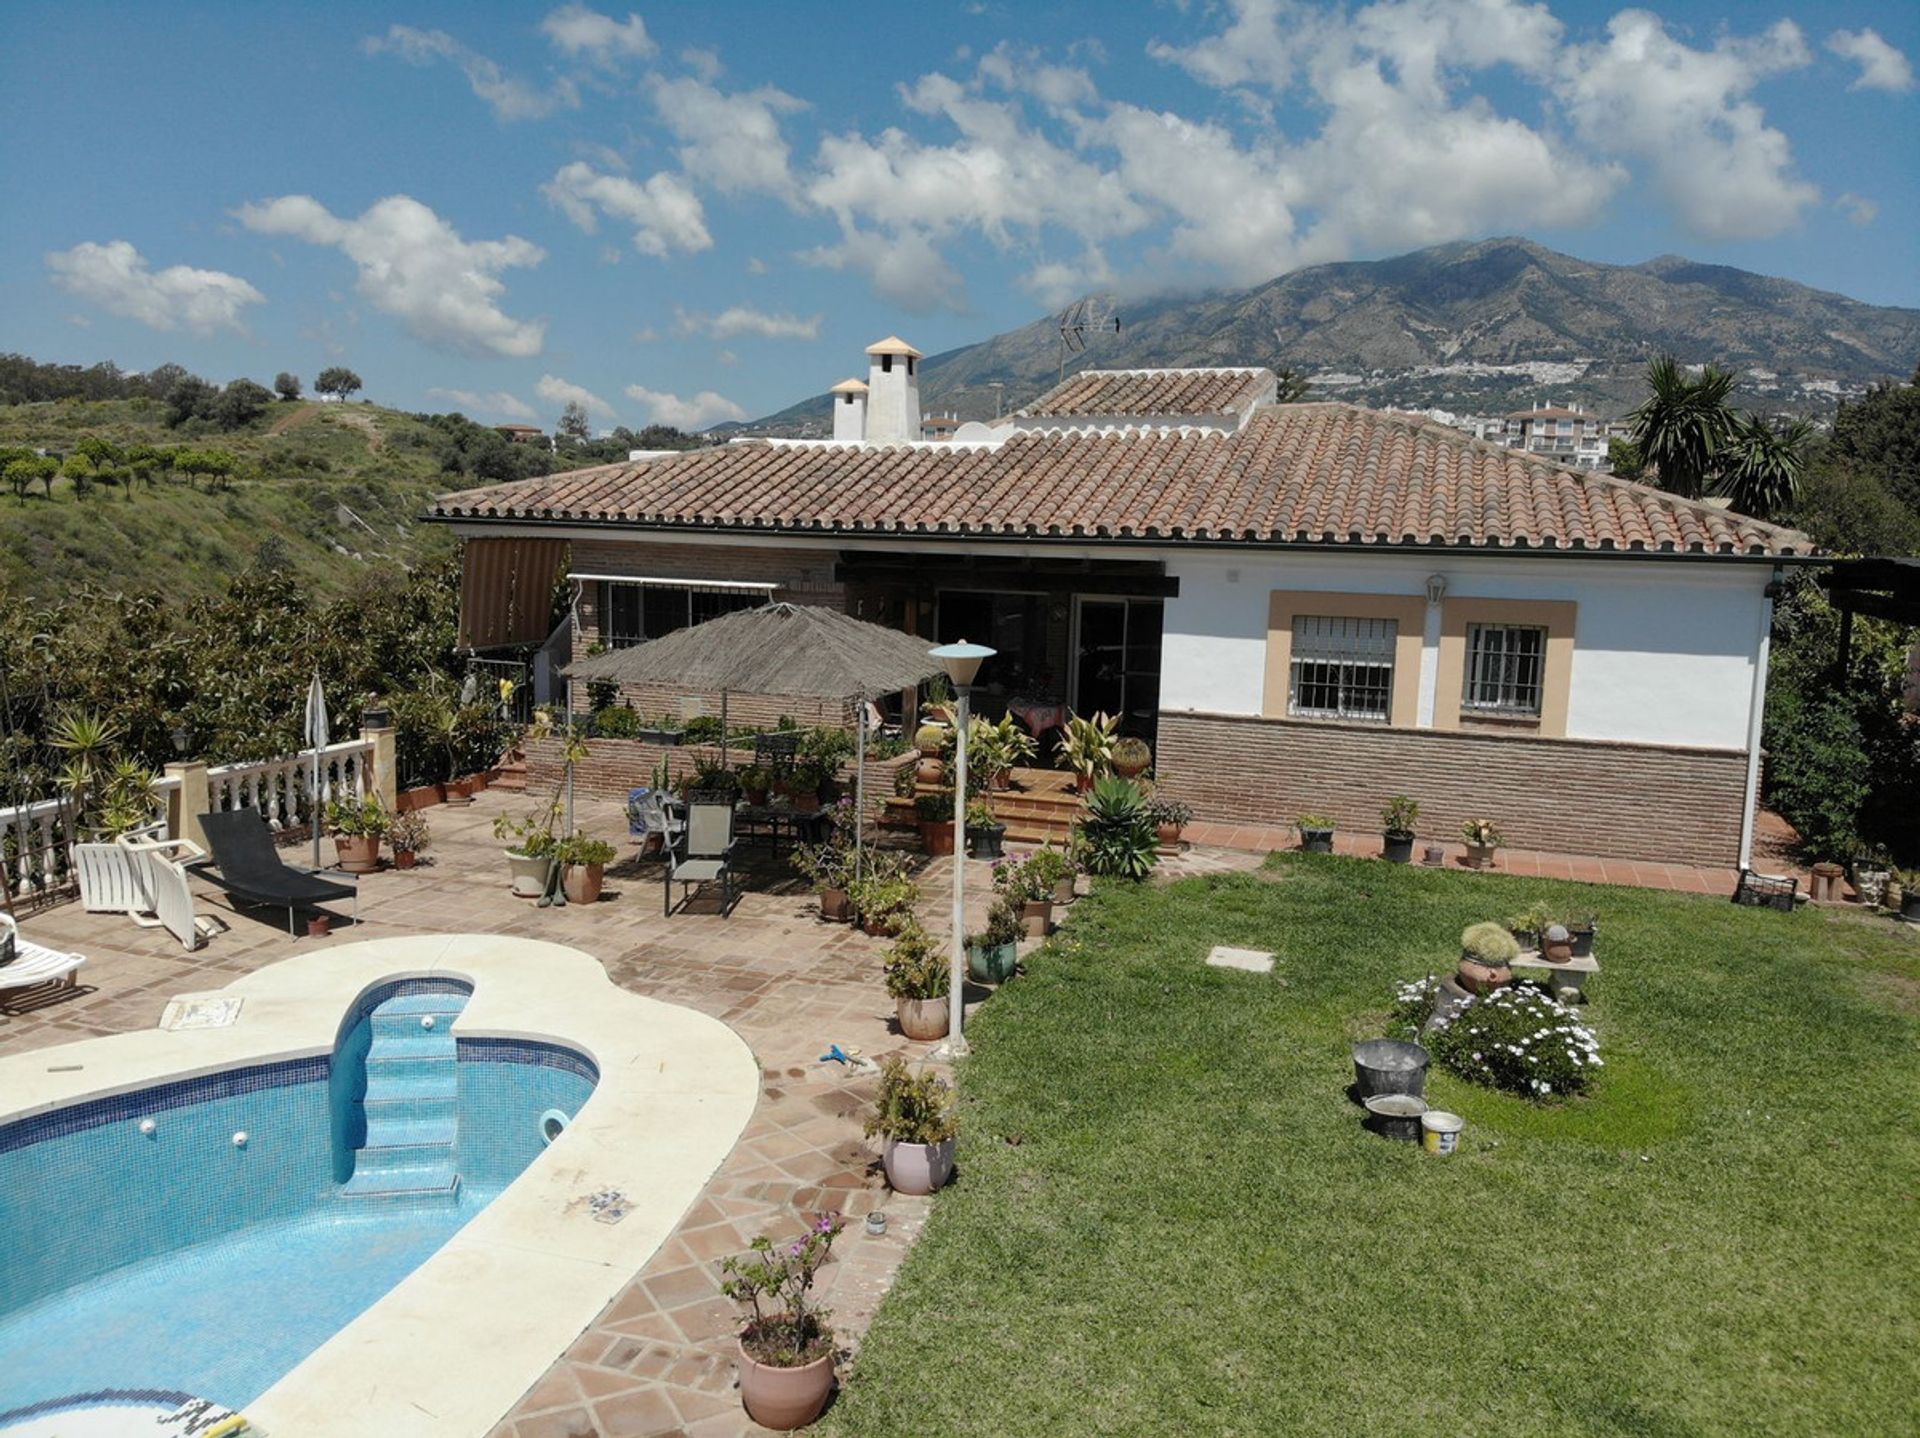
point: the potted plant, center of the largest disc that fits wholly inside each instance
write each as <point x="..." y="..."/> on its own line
<point x="1316" y="833"/>
<point x="1131" y="757"/>
<point x="357" y="826"/>
<point x="1087" y="746"/>
<point x="984" y="831"/>
<point x="1051" y="872"/>
<point x="408" y="835"/>
<point x="882" y="899"/>
<point x="934" y="813"/>
<point x="809" y="778"/>
<point x="786" y="1347"/>
<point x="1583" y="928"/>
<point x="1116" y="836"/>
<point x="1530" y="923"/>
<point x="1487" y="952"/>
<point x="1170" y="816"/>
<point x="994" y="746"/>
<point x="931" y="741"/>
<point x="829" y="868"/>
<point x="1030" y="889"/>
<point x="756" y="781"/>
<point x="915" y="1118"/>
<point x="918" y="980"/>
<point x="994" y="953"/>
<point x="529" y="849"/>
<point x="1396" y="823"/>
<point x="662" y="729"/>
<point x="1482" y="837"/>
<point x="583" y="862"/>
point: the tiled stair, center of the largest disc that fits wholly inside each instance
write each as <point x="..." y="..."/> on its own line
<point x="412" y="1092"/>
<point x="1041" y="807"/>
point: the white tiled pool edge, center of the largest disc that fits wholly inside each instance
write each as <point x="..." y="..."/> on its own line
<point x="449" y="1350"/>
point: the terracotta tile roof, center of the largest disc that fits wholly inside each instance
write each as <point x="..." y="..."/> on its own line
<point x="1294" y="474"/>
<point x="1146" y="392"/>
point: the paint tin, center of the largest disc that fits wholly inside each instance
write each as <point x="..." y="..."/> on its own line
<point x="1440" y="1131"/>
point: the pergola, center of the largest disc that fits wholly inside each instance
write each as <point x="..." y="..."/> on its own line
<point x="1885" y="587"/>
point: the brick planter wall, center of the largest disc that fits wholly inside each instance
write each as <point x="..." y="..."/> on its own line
<point x="616" y="765"/>
<point x="1631" y="801"/>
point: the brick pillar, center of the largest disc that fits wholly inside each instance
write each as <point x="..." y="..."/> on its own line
<point x="187" y="801"/>
<point x="384" y="780"/>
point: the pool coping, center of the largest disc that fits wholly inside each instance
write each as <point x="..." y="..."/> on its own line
<point x="448" y="1351"/>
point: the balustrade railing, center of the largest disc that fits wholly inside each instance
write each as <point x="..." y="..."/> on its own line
<point x="34" y="847"/>
<point x="280" y="788"/>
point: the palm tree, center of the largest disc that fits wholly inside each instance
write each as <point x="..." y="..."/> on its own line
<point x="1683" y="424"/>
<point x="1761" y="465"/>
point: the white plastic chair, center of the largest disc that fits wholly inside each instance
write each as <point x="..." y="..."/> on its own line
<point x="34" y="964"/>
<point x="166" y="898"/>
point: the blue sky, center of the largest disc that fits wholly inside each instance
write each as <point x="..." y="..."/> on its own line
<point x="698" y="212"/>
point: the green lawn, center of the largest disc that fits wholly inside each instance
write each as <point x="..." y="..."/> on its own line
<point x="1168" y="1219"/>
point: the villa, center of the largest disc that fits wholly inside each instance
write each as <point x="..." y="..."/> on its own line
<point x="1303" y="607"/>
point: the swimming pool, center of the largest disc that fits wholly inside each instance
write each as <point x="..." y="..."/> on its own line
<point x="204" y="1235"/>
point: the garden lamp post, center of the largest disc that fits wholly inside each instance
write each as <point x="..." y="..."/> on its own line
<point x="961" y="661"/>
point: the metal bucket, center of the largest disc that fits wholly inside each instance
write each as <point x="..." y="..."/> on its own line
<point x="1440" y="1131"/>
<point x="1396" y="1115"/>
<point x="1389" y="1066"/>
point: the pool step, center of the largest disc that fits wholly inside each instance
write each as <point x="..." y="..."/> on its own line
<point x="411" y="1104"/>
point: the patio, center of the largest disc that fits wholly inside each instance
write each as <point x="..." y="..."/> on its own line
<point x="659" y="1360"/>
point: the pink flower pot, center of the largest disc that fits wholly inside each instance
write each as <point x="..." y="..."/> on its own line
<point x="784" y="1398"/>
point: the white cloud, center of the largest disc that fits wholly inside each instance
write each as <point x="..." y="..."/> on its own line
<point x="1882" y="67"/>
<point x="732" y="142"/>
<point x="581" y="33"/>
<point x="493" y="402"/>
<point x="555" y="390"/>
<point x="703" y="409"/>
<point x="415" y="266"/>
<point x="904" y="267"/>
<point x="1684" y="114"/>
<point x="117" y="278"/>
<point x="1857" y="208"/>
<point x="744" y="320"/>
<point x="665" y="213"/>
<point x="511" y="98"/>
<point x="756" y="265"/>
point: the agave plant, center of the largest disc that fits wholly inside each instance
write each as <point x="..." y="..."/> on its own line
<point x="1117" y="832"/>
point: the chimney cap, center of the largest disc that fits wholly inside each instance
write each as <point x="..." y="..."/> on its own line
<point x="893" y="345"/>
<point x="849" y="386"/>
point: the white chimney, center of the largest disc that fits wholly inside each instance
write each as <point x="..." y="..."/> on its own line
<point x="849" y="410"/>
<point x="893" y="392"/>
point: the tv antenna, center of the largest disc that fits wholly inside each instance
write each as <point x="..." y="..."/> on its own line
<point x="1077" y="321"/>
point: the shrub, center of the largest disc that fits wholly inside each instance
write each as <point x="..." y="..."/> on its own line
<point x="357" y="817"/>
<point x="1003" y="926"/>
<point x="787" y="1332"/>
<point x="910" y="1108"/>
<point x="1482" y="832"/>
<point x="1170" y="811"/>
<point x="1321" y="822"/>
<point x="409" y="832"/>
<point x="1413" y="1004"/>
<point x="1400" y="815"/>
<point x="703" y="730"/>
<point x="617" y="721"/>
<point x="915" y="967"/>
<point x="1490" y="944"/>
<point x="1117" y="832"/>
<point x="580" y="849"/>
<point x="1519" y="1040"/>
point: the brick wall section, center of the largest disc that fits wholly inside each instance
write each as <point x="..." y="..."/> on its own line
<point x="1617" y="800"/>
<point x="803" y="576"/>
<point x="614" y="766"/>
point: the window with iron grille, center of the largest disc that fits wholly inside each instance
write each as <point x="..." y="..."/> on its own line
<point x="1342" y="668"/>
<point x="1506" y="669"/>
<point x="634" y="613"/>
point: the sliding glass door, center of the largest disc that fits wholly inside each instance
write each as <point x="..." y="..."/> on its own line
<point x="1117" y="660"/>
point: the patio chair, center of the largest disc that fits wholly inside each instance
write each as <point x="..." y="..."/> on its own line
<point x="703" y="854"/>
<point x="106" y="875"/>
<point x="662" y="815"/>
<point x="166" y="898"/>
<point x="32" y="965"/>
<point x="251" y="869"/>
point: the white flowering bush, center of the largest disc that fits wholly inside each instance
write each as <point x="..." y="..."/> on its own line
<point x="1413" y="1004"/>
<point x="1522" y="1040"/>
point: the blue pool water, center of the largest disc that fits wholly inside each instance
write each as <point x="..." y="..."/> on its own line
<point x="177" y="1260"/>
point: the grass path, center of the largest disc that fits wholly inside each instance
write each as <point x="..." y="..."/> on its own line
<point x="1169" y="1221"/>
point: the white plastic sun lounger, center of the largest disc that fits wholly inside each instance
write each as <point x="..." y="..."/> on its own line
<point x="165" y="898"/>
<point x="33" y="963"/>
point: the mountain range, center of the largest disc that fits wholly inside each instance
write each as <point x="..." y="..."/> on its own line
<point x="1476" y="328"/>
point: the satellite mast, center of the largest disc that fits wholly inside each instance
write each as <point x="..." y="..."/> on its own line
<point x="1077" y="321"/>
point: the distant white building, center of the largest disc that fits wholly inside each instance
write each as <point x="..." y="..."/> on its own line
<point x="1565" y="436"/>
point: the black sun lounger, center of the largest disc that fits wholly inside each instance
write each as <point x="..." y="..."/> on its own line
<point x="251" y="869"/>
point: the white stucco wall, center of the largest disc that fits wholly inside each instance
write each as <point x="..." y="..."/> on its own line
<point x="1663" y="652"/>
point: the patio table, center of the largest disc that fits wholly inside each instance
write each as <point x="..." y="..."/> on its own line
<point x="775" y="821"/>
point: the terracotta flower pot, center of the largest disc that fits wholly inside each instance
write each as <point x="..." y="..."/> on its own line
<point x="319" y="926"/>
<point x="784" y="1398"/>
<point x="357" y="853"/>
<point x="1478" y="978"/>
<point x="1480" y="856"/>
<point x="404" y="858"/>
<point x="1083" y="783"/>
<point x="917" y="1168"/>
<point x="922" y="1019"/>
<point x="1131" y="768"/>
<point x="929" y="771"/>
<point x="582" y="882"/>
<point x="459" y="791"/>
<point x="1063" y="890"/>
<point x="477" y="783"/>
<point x="529" y="875"/>
<point x="1168" y="835"/>
<point x="938" y="837"/>
<point x="756" y="797"/>
<point x="834" y="907"/>
<point x="1037" y="915"/>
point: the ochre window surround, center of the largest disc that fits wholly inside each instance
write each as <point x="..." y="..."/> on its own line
<point x="1409" y="613"/>
<point x="1556" y="616"/>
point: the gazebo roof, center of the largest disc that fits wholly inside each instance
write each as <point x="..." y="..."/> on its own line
<point x="779" y="648"/>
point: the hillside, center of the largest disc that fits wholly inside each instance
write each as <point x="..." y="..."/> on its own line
<point x="1478" y="328"/>
<point x="337" y="488"/>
